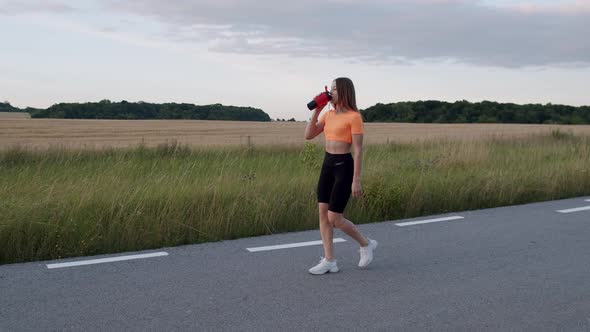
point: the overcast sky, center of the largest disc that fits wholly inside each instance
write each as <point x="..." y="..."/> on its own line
<point x="276" y="55"/>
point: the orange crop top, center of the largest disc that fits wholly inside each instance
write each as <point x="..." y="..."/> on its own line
<point x="341" y="127"/>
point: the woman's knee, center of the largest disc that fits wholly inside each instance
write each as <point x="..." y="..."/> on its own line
<point x="323" y="212"/>
<point x="335" y="219"/>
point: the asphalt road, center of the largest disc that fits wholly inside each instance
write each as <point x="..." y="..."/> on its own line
<point x="518" y="268"/>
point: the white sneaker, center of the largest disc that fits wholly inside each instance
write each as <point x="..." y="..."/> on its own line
<point x="367" y="253"/>
<point x="324" y="266"/>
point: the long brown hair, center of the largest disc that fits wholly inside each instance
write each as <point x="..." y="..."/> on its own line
<point x="346" y="95"/>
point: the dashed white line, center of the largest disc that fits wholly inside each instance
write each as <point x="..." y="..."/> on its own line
<point x="106" y="260"/>
<point x="291" y="245"/>
<point x="574" y="209"/>
<point x="427" y="221"/>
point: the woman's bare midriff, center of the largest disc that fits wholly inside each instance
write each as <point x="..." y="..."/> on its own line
<point x="337" y="147"/>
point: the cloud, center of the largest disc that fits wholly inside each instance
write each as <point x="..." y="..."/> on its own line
<point x="576" y="7"/>
<point x="15" y="7"/>
<point x="492" y="33"/>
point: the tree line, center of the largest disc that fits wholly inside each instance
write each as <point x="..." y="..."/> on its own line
<point x="432" y="111"/>
<point x="106" y="109"/>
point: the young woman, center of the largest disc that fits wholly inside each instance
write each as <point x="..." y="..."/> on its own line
<point x="341" y="173"/>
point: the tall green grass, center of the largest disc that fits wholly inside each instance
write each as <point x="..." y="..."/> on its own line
<point x="61" y="203"/>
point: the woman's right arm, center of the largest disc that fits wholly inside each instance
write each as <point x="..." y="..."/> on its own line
<point x="314" y="128"/>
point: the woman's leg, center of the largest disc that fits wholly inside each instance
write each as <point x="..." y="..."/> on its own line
<point x="338" y="220"/>
<point x="325" y="186"/>
<point x="339" y="198"/>
<point x="326" y="231"/>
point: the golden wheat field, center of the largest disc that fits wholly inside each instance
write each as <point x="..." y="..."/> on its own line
<point x="98" y="134"/>
<point x="14" y="115"/>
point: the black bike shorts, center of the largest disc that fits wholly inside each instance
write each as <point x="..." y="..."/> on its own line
<point x="334" y="185"/>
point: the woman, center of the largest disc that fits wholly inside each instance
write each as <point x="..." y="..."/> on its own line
<point x="341" y="173"/>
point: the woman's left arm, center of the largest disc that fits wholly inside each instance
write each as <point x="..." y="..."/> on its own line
<point x="357" y="143"/>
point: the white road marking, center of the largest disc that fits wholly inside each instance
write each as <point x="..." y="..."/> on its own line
<point x="291" y="245"/>
<point x="574" y="209"/>
<point x="427" y="221"/>
<point x="106" y="260"/>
